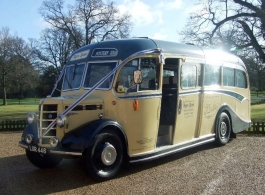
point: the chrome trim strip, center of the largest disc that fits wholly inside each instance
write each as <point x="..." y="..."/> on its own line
<point x="66" y="153"/>
<point x="23" y="145"/>
<point x="178" y="147"/>
<point x="60" y="76"/>
<point x="140" y="96"/>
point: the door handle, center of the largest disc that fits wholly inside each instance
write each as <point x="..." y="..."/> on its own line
<point x="180" y="105"/>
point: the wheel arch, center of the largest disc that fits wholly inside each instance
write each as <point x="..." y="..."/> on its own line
<point x="237" y="124"/>
<point x="226" y="109"/>
<point x="84" y="136"/>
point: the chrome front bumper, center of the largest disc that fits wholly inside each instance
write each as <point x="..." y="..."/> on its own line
<point x="70" y="153"/>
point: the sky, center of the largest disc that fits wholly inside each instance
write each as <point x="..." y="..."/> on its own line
<point x="158" y="19"/>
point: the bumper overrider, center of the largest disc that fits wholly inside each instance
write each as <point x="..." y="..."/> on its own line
<point x="30" y="141"/>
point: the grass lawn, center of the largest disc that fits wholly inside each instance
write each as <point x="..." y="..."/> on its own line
<point x="14" y="110"/>
<point x="258" y="112"/>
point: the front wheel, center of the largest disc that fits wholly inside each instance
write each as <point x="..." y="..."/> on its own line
<point x="43" y="160"/>
<point x="104" y="159"/>
<point x="223" y="129"/>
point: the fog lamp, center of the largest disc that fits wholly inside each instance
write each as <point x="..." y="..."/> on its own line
<point x="54" y="142"/>
<point x="29" y="138"/>
<point x="60" y="121"/>
<point x="32" y="117"/>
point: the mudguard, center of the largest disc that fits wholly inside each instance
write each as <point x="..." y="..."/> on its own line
<point x="237" y="123"/>
<point x="33" y="130"/>
<point x="82" y="137"/>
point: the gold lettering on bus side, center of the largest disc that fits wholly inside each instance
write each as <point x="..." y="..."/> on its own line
<point x="146" y="140"/>
<point x="188" y="108"/>
<point x="210" y="109"/>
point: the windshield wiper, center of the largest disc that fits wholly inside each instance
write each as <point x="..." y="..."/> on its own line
<point x="74" y="72"/>
<point x="69" y="84"/>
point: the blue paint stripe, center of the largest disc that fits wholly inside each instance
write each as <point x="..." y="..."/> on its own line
<point x="142" y="96"/>
<point x="235" y="95"/>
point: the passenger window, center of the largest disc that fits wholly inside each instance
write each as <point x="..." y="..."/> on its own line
<point x="212" y="75"/>
<point x="150" y="74"/>
<point x="150" y="70"/>
<point x="228" y="77"/>
<point x="188" y="76"/>
<point x="241" y="80"/>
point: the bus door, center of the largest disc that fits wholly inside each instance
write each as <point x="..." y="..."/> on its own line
<point x="189" y="103"/>
<point x="168" y="111"/>
<point x="138" y="106"/>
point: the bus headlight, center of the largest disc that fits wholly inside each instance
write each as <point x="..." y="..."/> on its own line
<point x="60" y="121"/>
<point x="29" y="138"/>
<point x="32" y="117"/>
<point x="54" y="142"/>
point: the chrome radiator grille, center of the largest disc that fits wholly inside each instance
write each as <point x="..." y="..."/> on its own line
<point x="48" y="113"/>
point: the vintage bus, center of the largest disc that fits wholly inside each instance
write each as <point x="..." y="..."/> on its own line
<point x="136" y="100"/>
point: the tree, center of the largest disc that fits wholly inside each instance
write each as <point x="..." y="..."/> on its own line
<point x="54" y="48"/>
<point x="6" y="41"/>
<point x="47" y="80"/>
<point x="232" y="24"/>
<point x="16" y="70"/>
<point x="87" y="21"/>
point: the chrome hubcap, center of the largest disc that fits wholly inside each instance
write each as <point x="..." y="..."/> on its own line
<point x="109" y="154"/>
<point x="223" y="129"/>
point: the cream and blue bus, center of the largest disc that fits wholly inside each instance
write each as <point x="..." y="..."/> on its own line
<point x="136" y="100"/>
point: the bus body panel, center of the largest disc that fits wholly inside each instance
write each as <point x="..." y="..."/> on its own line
<point x="186" y="123"/>
<point x="210" y="106"/>
<point x="141" y="126"/>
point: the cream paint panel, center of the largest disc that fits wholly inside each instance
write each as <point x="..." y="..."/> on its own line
<point x="141" y="126"/>
<point x="211" y="104"/>
<point x="187" y="120"/>
<point x="242" y="108"/>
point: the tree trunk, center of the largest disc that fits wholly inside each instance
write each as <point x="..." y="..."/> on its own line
<point x="4" y="91"/>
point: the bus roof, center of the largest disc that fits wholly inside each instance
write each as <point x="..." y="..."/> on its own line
<point x="123" y="48"/>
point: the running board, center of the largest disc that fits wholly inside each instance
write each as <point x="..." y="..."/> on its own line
<point x="170" y="149"/>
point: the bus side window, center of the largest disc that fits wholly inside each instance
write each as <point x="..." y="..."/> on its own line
<point x="125" y="77"/>
<point x="241" y="80"/>
<point x="188" y="76"/>
<point x="150" y="73"/>
<point x="212" y="75"/>
<point x="228" y="76"/>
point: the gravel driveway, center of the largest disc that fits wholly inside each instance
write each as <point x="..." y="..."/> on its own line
<point x="237" y="168"/>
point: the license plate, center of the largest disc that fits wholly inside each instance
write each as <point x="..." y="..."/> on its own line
<point x="38" y="149"/>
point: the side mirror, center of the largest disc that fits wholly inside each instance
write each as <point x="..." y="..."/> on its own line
<point x="137" y="76"/>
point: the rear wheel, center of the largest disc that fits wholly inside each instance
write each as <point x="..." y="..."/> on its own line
<point x="223" y="129"/>
<point x="104" y="159"/>
<point x="43" y="160"/>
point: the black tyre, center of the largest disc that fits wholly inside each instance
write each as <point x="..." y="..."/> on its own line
<point x="223" y="129"/>
<point x="105" y="157"/>
<point x="43" y="161"/>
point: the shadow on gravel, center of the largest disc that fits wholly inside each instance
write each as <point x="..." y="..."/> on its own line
<point x="19" y="176"/>
<point x="134" y="168"/>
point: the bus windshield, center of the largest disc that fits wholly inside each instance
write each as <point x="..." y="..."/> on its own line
<point x="96" y="71"/>
<point x="73" y="77"/>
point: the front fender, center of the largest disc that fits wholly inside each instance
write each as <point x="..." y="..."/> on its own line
<point x="82" y="137"/>
<point x="32" y="129"/>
